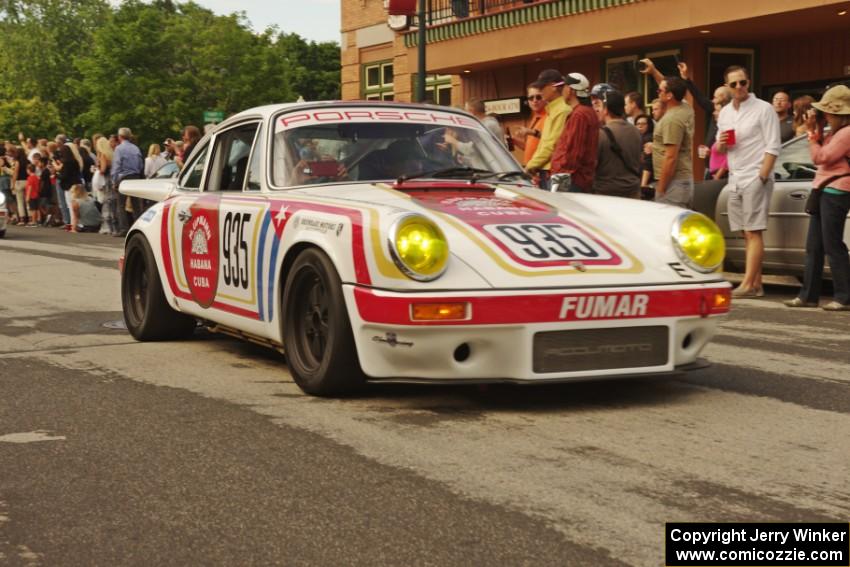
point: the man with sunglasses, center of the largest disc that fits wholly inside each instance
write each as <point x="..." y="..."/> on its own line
<point x="527" y="138"/>
<point x="671" y="146"/>
<point x="748" y="132"/>
<point x="550" y="83"/>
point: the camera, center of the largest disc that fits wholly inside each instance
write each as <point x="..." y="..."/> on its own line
<point x="640" y="66"/>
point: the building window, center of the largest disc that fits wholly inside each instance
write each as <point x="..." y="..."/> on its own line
<point x="622" y="73"/>
<point x="720" y="58"/>
<point x="438" y="89"/>
<point x="378" y="81"/>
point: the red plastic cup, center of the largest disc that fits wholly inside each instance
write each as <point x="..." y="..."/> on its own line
<point x="730" y="137"/>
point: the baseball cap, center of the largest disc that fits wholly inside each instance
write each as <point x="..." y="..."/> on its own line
<point x="578" y="83"/>
<point x="548" y="77"/>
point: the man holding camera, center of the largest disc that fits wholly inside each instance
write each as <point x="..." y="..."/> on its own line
<point x="748" y="132"/>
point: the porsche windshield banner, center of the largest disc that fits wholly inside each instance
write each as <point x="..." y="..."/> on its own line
<point x="377" y="115"/>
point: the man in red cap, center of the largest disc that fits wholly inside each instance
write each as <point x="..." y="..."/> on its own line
<point x="576" y="150"/>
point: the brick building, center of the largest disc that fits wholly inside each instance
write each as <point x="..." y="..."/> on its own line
<point x="491" y="49"/>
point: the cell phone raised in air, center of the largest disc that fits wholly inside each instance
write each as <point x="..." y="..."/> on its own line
<point x="323" y="168"/>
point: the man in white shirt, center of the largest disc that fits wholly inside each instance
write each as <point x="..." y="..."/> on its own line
<point x="748" y="132"/>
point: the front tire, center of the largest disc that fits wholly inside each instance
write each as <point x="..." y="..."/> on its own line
<point x="147" y="314"/>
<point x="317" y="337"/>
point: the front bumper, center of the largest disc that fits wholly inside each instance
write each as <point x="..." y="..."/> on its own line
<point x="495" y="342"/>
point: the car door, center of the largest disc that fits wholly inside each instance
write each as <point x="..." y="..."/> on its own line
<point x="215" y="232"/>
<point x="191" y="269"/>
<point x="240" y="215"/>
<point x="794" y="173"/>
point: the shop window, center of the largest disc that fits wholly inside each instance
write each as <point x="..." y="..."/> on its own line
<point x="721" y="58"/>
<point x="378" y="81"/>
<point x="622" y="73"/>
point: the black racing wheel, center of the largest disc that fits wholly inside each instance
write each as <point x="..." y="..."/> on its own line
<point x="147" y="314"/>
<point x="317" y="336"/>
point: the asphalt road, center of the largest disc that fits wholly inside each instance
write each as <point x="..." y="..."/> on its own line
<point x="204" y="452"/>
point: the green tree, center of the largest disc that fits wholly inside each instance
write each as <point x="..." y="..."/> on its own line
<point x="312" y="69"/>
<point x="33" y="117"/>
<point x="41" y="39"/>
<point x="154" y="66"/>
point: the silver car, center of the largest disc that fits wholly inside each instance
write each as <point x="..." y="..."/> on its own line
<point x="788" y="223"/>
<point x="4" y="214"/>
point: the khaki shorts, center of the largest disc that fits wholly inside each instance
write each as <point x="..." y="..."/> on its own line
<point x="680" y="193"/>
<point x="749" y="205"/>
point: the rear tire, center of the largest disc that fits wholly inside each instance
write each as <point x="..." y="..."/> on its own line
<point x="317" y="337"/>
<point x="147" y="314"/>
<point x="3" y="233"/>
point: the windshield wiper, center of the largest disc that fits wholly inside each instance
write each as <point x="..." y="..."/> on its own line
<point x="446" y="171"/>
<point x="501" y="176"/>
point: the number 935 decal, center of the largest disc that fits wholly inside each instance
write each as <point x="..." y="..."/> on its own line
<point x="548" y="242"/>
<point x="234" y="250"/>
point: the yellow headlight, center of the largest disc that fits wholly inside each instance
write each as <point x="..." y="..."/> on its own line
<point x="419" y="248"/>
<point x="699" y="242"/>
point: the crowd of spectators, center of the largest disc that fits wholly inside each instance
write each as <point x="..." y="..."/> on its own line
<point x="73" y="183"/>
<point x="599" y="140"/>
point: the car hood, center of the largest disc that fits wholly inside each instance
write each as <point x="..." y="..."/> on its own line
<point x="519" y="237"/>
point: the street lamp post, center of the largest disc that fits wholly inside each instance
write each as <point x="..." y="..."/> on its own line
<point x="420" y="83"/>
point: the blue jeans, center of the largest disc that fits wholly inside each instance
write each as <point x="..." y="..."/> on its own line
<point x="62" y="203"/>
<point x="826" y="238"/>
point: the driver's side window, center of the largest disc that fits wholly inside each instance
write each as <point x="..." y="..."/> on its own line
<point x="230" y="158"/>
<point x="193" y="174"/>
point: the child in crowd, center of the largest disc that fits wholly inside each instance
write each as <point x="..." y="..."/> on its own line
<point x="32" y="195"/>
<point x="84" y="214"/>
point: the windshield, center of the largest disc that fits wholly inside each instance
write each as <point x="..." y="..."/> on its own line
<point x="795" y="161"/>
<point x="382" y="144"/>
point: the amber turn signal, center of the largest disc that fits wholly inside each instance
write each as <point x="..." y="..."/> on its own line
<point x="439" y="311"/>
<point x="722" y="301"/>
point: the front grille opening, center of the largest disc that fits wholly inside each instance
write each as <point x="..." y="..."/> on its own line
<point x="600" y="349"/>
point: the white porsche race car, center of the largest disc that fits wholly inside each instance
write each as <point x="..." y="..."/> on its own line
<point x="403" y="242"/>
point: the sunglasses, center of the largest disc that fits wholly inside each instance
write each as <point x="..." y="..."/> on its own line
<point x="742" y="82"/>
<point x="535" y="97"/>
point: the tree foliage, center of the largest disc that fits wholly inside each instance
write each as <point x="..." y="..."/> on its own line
<point x="35" y="117"/>
<point x="153" y="66"/>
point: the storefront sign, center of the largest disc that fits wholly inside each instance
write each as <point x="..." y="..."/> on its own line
<point x="503" y="106"/>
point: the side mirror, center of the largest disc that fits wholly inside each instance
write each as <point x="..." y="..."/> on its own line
<point x="560" y="183"/>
